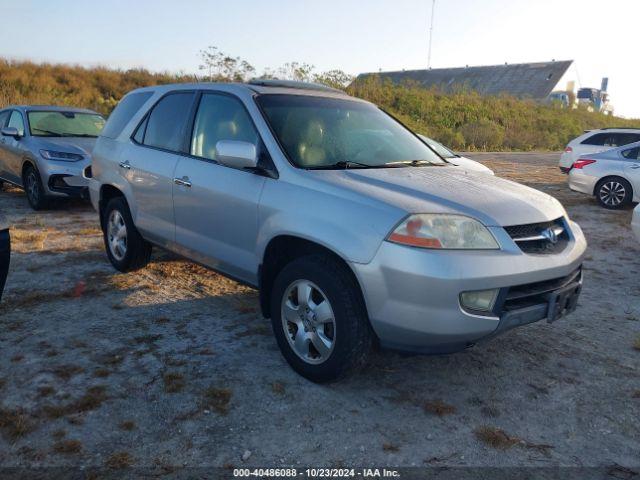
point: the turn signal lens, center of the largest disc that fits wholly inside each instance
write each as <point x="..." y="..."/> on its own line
<point x="428" y="230"/>
<point x="580" y="163"/>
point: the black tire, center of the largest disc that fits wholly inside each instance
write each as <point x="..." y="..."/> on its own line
<point x="353" y="338"/>
<point x="607" y="185"/>
<point x="34" y="189"/>
<point x="137" y="252"/>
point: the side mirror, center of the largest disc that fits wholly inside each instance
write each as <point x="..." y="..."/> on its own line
<point x="10" y="132"/>
<point x="237" y="154"/>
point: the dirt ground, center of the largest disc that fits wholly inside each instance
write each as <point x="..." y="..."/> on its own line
<point x="174" y="366"/>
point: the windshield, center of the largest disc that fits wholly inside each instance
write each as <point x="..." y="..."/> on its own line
<point x="321" y="132"/>
<point x="440" y="149"/>
<point x="65" y="124"/>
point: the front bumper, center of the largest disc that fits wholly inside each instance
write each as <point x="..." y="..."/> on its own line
<point x="412" y="295"/>
<point x="68" y="179"/>
<point x="5" y="256"/>
<point x="581" y="182"/>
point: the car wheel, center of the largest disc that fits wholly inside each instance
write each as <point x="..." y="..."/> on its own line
<point x="319" y="318"/>
<point x="614" y="192"/>
<point x="34" y="189"/>
<point x="125" y="247"/>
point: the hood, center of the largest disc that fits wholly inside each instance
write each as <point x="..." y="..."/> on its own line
<point x="492" y="200"/>
<point x="81" y="145"/>
<point x="470" y="165"/>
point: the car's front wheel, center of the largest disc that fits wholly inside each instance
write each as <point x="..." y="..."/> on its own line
<point x="36" y="195"/>
<point x="319" y="318"/>
<point x="126" y="249"/>
<point x="614" y="192"/>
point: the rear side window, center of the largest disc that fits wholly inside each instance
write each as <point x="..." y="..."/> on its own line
<point x="125" y="110"/>
<point x="16" y="121"/>
<point x="627" y="138"/>
<point x="166" y="124"/>
<point x="4" y="116"/>
<point x="631" y="154"/>
<point x="220" y="117"/>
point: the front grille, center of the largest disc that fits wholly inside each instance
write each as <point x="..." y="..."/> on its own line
<point x="529" y="294"/>
<point x="531" y="237"/>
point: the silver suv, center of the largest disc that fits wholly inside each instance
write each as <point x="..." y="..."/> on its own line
<point x="353" y="229"/>
<point x="47" y="150"/>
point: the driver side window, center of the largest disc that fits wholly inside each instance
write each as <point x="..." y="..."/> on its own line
<point x="220" y="117"/>
<point x="17" y="122"/>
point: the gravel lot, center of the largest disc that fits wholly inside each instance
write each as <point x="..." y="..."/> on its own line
<point x="174" y="366"/>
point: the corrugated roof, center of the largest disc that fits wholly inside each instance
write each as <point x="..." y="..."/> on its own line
<point x="533" y="80"/>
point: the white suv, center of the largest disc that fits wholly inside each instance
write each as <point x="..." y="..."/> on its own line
<point x="595" y="141"/>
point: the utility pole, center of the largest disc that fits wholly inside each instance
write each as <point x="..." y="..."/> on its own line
<point x="433" y="8"/>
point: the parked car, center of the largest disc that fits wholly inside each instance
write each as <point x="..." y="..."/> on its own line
<point x="635" y="222"/>
<point x="5" y="251"/>
<point x="612" y="176"/>
<point x="451" y="157"/>
<point x="47" y="150"/>
<point x="596" y="141"/>
<point x="353" y="230"/>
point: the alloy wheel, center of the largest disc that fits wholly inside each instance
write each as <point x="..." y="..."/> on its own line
<point x="308" y="321"/>
<point x="33" y="188"/>
<point x="117" y="235"/>
<point x="612" y="193"/>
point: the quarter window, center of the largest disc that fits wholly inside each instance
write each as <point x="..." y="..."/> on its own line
<point x="16" y="121"/>
<point x="167" y="122"/>
<point x="631" y="154"/>
<point x="220" y="117"/>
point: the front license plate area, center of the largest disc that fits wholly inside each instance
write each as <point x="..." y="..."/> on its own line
<point x="563" y="301"/>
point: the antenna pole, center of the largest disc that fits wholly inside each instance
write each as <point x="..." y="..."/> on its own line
<point x="433" y="8"/>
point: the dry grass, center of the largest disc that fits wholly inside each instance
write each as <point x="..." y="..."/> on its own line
<point x="439" y="408"/>
<point x="65" y="372"/>
<point x="67" y="447"/>
<point x="636" y="344"/>
<point x="495" y="437"/>
<point x="217" y="399"/>
<point x="15" y="423"/>
<point x="101" y="373"/>
<point x="119" y="460"/>
<point x="91" y="400"/>
<point x="59" y="434"/>
<point x="46" y="391"/>
<point x="24" y="241"/>
<point x="127" y="425"/>
<point x="90" y="231"/>
<point x="278" y="388"/>
<point x="173" y="382"/>
<point x="389" y="447"/>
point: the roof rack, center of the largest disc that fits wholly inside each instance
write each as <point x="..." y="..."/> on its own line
<point x="293" y="84"/>
<point x="620" y="128"/>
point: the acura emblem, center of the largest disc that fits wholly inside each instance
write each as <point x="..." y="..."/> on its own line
<point x="550" y="235"/>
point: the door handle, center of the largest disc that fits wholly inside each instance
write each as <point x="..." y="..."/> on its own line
<point x="184" y="181"/>
<point x="126" y="165"/>
<point x="634" y="166"/>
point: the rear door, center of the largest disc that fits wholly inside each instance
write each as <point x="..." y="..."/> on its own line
<point x="4" y="118"/>
<point x="149" y="161"/>
<point x="216" y="207"/>
<point x="14" y="148"/>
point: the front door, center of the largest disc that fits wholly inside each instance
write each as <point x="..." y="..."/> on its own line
<point x="149" y="163"/>
<point x="216" y="207"/>
<point x="13" y="149"/>
<point x="4" y="118"/>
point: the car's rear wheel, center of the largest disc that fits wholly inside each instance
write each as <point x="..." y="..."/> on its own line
<point x="36" y="195"/>
<point x="126" y="249"/>
<point x="614" y="192"/>
<point x="319" y="318"/>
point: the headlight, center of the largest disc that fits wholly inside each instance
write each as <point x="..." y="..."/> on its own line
<point x="64" y="156"/>
<point x="427" y="230"/>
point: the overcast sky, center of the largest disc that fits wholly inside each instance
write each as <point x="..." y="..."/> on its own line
<point x="355" y="36"/>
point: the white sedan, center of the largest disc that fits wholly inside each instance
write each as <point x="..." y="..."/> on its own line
<point x="449" y="156"/>
<point x="635" y="222"/>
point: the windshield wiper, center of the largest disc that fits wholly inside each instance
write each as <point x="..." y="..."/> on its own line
<point x="417" y="163"/>
<point x="343" y="165"/>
